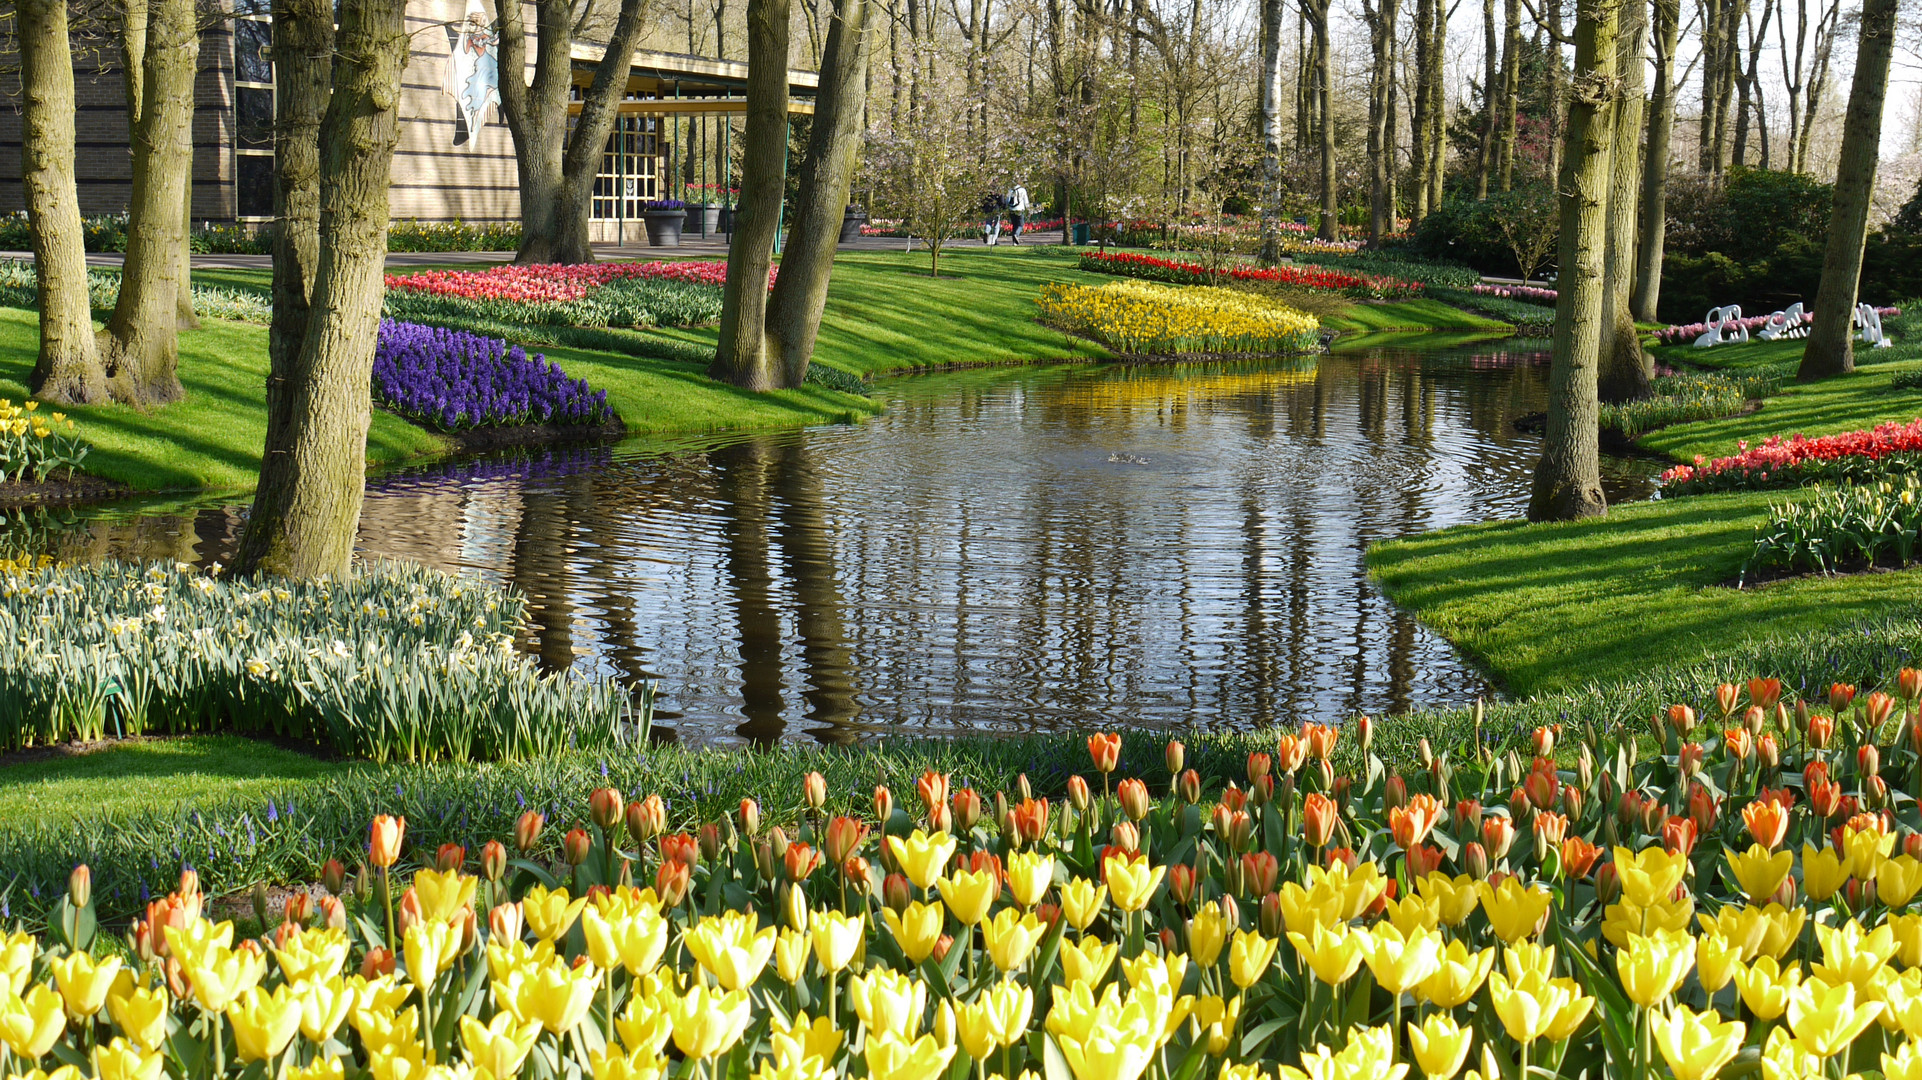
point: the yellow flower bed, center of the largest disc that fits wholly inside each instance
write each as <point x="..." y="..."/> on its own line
<point x="1140" y="317"/>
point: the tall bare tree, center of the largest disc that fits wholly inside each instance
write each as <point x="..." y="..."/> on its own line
<point x="1805" y="71"/>
<point x="1271" y="191"/>
<point x="1568" y="481"/>
<point x="1665" y="36"/>
<point x="1323" y="107"/>
<point x="313" y="473"/>
<point x="1625" y="368"/>
<point x="1831" y="344"/>
<point x="742" y="356"/>
<point x="1384" y="32"/>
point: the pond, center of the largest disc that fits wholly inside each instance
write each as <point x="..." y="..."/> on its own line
<point x="1006" y="549"/>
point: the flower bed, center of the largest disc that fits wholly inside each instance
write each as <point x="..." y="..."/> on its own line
<point x="1855" y="456"/>
<point x="34" y="445"/>
<point x="20" y="288"/>
<point x="1735" y="893"/>
<point x="1685" y="334"/>
<point x="680" y="293"/>
<point x="1854" y="526"/>
<point x="395" y="663"/>
<point x="1528" y="293"/>
<point x="1137" y="317"/>
<point x="454" y="381"/>
<point x="1677" y="398"/>
<point x="1175" y="272"/>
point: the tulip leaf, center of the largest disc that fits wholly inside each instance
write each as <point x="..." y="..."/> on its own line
<point x="537" y="872"/>
<point x="1255" y="1040"/>
<point x="1616" y="1019"/>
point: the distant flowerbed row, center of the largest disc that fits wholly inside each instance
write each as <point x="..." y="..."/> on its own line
<point x="1682" y="334"/>
<point x="1527" y="293"/>
<point x="1176" y="272"/>
<point x="1777" y="462"/>
<point x="554" y="284"/>
<point x="1137" y="317"/>
<point x="684" y="293"/>
<point x="455" y="381"/>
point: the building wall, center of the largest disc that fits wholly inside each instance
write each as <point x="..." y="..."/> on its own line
<point x="434" y="180"/>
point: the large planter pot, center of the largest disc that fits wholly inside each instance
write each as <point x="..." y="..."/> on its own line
<point x="664" y="227"/>
<point x="697" y="216"/>
<point x="851" y="223"/>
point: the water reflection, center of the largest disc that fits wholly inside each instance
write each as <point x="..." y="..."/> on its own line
<point x="1004" y="550"/>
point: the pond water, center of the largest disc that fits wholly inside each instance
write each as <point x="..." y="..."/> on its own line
<point x="1004" y="550"/>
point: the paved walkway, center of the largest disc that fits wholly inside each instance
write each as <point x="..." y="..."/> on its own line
<point x="691" y="245"/>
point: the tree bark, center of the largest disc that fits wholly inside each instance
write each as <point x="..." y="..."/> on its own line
<point x="801" y="293"/>
<point x="1491" y="78"/>
<point x="1418" y="118"/>
<point x="67" y="370"/>
<point x="1381" y="20"/>
<point x="1568" y="481"/>
<point x="1655" y="161"/>
<point x="587" y="143"/>
<point x="184" y="315"/>
<point x="536" y="114"/>
<point x="1831" y="344"/>
<point x="140" y="348"/>
<point x="1325" y="116"/>
<point x="1511" y="89"/>
<point x="742" y="356"/>
<point x="307" y="511"/>
<point x="1438" y="107"/>
<point x="1271" y="192"/>
<point x="304" y="34"/>
<point x="1626" y="369"/>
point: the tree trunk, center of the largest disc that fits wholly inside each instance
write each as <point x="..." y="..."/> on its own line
<point x="1491" y="78"/>
<point x="1418" y="114"/>
<point x="536" y="114"/>
<point x="801" y="293"/>
<point x="1831" y="345"/>
<point x="1325" y="118"/>
<point x="742" y="356"/>
<point x="1271" y="190"/>
<point x="307" y="511"/>
<point x="68" y="369"/>
<point x="1655" y="159"/>
<point x="304" y="30"/>
<point x="1626" y="369"/>
<point x="184" y="314"/>
<point x="140" y="348"/>
<point x="1381" y="38"/>
<point x="1568" y="481"/>
<point x="1438" y="108"/>
<point x="587" y="142"/>
<point x="1511" y="89"/>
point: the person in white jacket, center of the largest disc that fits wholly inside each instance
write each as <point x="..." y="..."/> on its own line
<point x="1018" y="209"/>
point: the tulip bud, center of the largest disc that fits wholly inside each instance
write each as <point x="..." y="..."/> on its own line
<point x="1753" y="719"/>
<point x="1126" y="837"/>
<point x="1001" y="812"/>
<point x="1269" y="917"/>
<point x="844" y="836"/>
<point x="1181" y="883"/>
<point x="895" y="893"/>
<point x="1702" y="808"/>
<point x="1394" y="794"/>
<point x="646" y="819"/>
<point x="1544" y="740"/>
<point x="363" y="885"/>
<point x="1608" y="883"/>
<point x="1169" y="943"/>
<point x="504" y="923"/>
<point x="333" y="913"/>
<point x="140" y="937"/>
<point x="527" y="830"/>
<point x="1573" y="800"/>
<point x="1498" y="835"/>
<point x="1691" y="757"/>
<point x="1725" y="698"/>
<point x="967" y="808"/>
<point x="858" y="876"/>
<point x="750" y="814"/>
<point x="1868" y="760"/>
<point x="407" y="914"/>
<point x="1908" y="684"/>
<point x="576" y="846"/>
<point x="1261" y="869"/>
<point x="1876" y="711"/>
<point x="801" y="860"/>
<point x="493" y="860"/>
<point x="1328" y="781"/>
<point x="260" y="902"/>
<point x="1658" y="729"/>
<point x="1262" y="791"/>
<point x="1785" y="895"/>
<point x="1768" y="750"/>
<point x="709" y="836"/>
<point x="605" y="807"/>
<point x="814" y="791"/>
<point x="1259" y="765"/>
<point x="1188" y="787"/>
<point x="1678" y="835"/>
<point x="1338" y="786"/>
<point x="1104" y="751"/>
<point x="1468" y="817"/>
<point x="671" y="881"/>
<point x="450" y="857"/>
<point x="189" y="882"/>
<point x="1841" y="696"/>
<point x="941" y="820"/>
<point x="377" y="962"/>
<point x="1133" y="796"/>
<point x="794" y="901"/>
<point x="1585" y="769"/>
<point x="883" y="804"/>
<point x="941" y="946"/>
<point x="1875" y="791"/>
<point x="1078" y="793"/>
<point x="1022" y="787"/>
<point x="333" y="876"/>
<point x="1175" y="756"/>
<point x="298" y="908"/>
<point x="1475" y="860"/>
<point x="80" y="886"/>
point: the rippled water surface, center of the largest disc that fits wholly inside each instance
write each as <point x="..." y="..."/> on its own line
<point x="1004" y="550"/>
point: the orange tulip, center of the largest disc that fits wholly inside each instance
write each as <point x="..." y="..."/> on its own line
<point x="1318" y="819"/>
<point x="933" y="789"/>
<point x="1678" y="835"/>
<point x="1738" y="741"/>
<point x="1320" y="739"/>
<point x="1768" y="822"/>
<point x="1764" y="693"/>
<point x="383" y="840"/>
<point x="1290" y="752"/>
<point x="1578" y="856"/>
<point x="1410" y="824"/>
<point x="1105" y="750"/>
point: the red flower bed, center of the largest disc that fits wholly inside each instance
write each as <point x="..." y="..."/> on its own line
<point x="1154" y="268"/>
<point x="1782" y="462"/>
<point x="554" y="284"/>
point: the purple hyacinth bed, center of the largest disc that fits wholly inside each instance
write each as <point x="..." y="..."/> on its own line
<point x="456" y="381"/>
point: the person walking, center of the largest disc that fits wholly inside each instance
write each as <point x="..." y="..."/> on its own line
<point x="991" y="207"/>
<point x="1018" y="209"/>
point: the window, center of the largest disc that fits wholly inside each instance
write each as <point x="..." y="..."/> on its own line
<point x="253" y="110"/>
<point x="629" y="169"/>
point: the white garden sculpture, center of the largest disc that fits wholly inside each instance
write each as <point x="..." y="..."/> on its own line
<point x="1787" y="323"/>
<point x="1719" y="319"/>
<point x="1868" y="323"/>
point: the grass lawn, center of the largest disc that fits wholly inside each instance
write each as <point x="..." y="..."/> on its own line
<point x="146" y="774"/>
<point x="1547" y="607"/>
<point x="1409" y="315"/>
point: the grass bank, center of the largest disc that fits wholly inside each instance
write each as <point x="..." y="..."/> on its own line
<point x="1543" y="607"/>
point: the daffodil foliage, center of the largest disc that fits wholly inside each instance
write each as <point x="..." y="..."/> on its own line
<point x="1735" y="900"/>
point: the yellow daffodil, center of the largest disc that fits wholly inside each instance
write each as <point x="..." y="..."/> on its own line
<point x="1440" y="1046"/>
<point x="1695" y="1045"/>
<point x="922" y="857"/>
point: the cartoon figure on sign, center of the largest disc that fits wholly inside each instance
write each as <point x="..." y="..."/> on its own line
<point x="473" y="70"/>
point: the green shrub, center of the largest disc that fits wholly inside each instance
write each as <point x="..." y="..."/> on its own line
<point x="1747" y="215"/>
<point x="1433" y="273"/>
<point x="398" y="663"/>
<point x="625" y="302"/>
<point x="835" y="379"/>
<point x="1855" y="525"/>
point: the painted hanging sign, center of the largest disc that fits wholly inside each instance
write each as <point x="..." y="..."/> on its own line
<point x="473" y="71"/>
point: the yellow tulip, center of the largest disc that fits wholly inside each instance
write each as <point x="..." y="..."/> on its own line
<point x="381" y="1032"/>
<point x="1823" y="872"/>
<point x="1010" y="939"/>
<point x="1716" y="961"/>
<point x="1849" y="955"/>
<point x="1369" y="1055"/>
<point x="564" y="994"/>
<point x="613" y="1065"/>
<point x="324" y="1006"/>
<point x="1526" y="1010"/>
<point x="634" y="939"/>
<point x="1081" y="901"/>
<point x="915" y="929"/>
<point x="1251" y="955"/>
<point x="1359" y="888"/>
<point x="968" y="895"/>
<point x="1695" y="1045"/>
<point x="1766" y="987"/>
<point x="1131" y="882"/>
<point x="1454" y="899"/>
<point x="17" y="951"/>
<point x="311" y="954"/>
<point x="791" y="949"/>
<point x="444" y="895"/>
<point x="1904" y="1064"/>
<point x="1304" y="909"/>
<point x="1758" y="872"/>
<point x="1413" y="913"/>
<point x="1030" y="875"/>
<point x="1827" y="1018"/>
<point x="1088" y="960"/>
<point x="891" y="1057"/>
<point x="708" y="1021"/>
<point x="1899" y="879"/>
<point x="1868" y="849"/>
<point x="139" y="1012"/>
<point x="645" y="1025"/>
<point x="1653" y="965"/>
<point x="1514" y="910"/>
<point x="500" y="1045"/>
<point x="1785" y="1058"/>
<point x="975" y="1027"/>
<point x="837" y="938"/>
<point x="1908" y="939"/>
<point x="1207" y="932"/>
<point x="1117" y="1050"/>
<point x="430" y="948"/>
<point x="1458" y="975"/>
<point x="922" y="857"/>
<point x="1332" y="954"/>
<point x="383" y="994"/>
<point x="1901" y="997"/>
<point x="1623" y="920"/>
<point x="221" y="975"/>
<point x="264" y="1023"/>
<point x="1650" y="877"/>
<point x="83" y="983"/>
<point x="550" y="913"/>
<point x="1440" y="1046"/>
<point x="1400" y="961"/>
<point x="1574" y="1008"/>
<point x="399" y="1061"/>
<point x="888" y="1001"/>
<point x="121" y="1060"/>
<point x="731" y="947"/>
<point x="802" y="1039"/>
